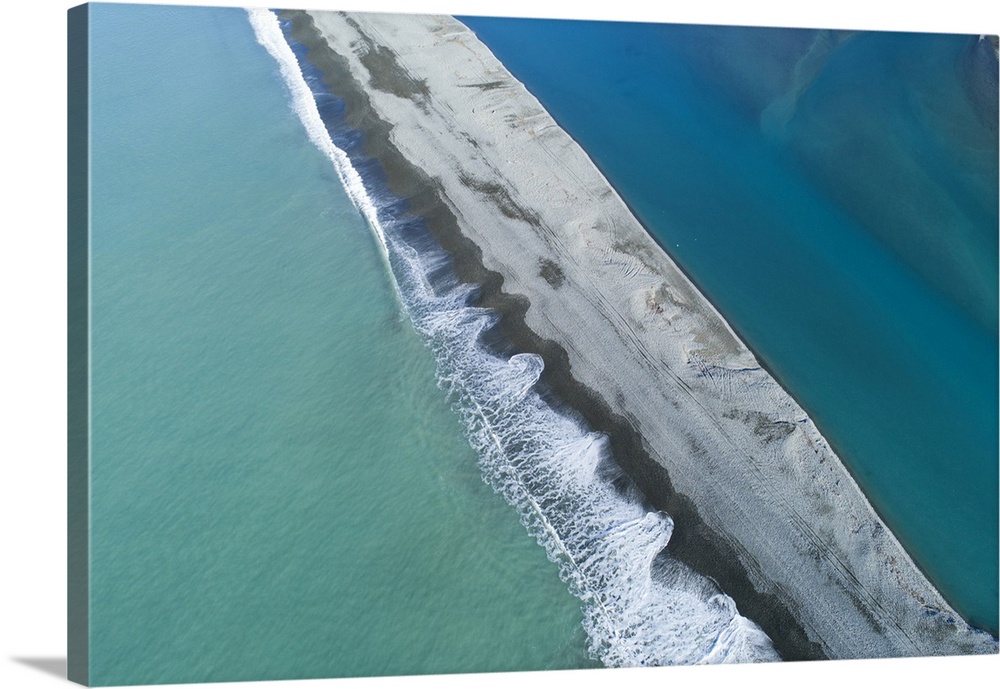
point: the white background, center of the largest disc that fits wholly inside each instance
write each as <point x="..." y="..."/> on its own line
<point x="33" y="335"/>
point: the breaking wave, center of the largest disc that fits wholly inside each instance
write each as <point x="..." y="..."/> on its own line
<point x="641" y="607"/>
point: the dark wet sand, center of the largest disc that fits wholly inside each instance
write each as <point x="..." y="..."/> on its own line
<point x="774" y="599"/>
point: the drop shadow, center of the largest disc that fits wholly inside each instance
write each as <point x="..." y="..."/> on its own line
<point x="50" y="666"/>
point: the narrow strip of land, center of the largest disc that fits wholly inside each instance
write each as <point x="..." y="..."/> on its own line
<point x="760" y="501"/>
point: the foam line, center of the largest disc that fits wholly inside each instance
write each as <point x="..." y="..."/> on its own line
<point x="640" y="606"/>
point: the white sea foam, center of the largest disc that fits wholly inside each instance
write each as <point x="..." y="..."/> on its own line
<point x="268" y="31"/>
<point x="640" y="606"/>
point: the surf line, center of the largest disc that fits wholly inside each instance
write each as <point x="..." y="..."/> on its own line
<point x="641" y="607"/>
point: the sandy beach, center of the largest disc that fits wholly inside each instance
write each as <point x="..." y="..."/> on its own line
<point x="761" y="503"/>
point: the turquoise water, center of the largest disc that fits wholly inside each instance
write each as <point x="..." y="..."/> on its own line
<point x="836" y="197"/>
<point x="279" y="487"/>
<point x="640" y="607"/>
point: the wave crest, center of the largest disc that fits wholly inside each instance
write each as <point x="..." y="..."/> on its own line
<point x="641" y="607"/>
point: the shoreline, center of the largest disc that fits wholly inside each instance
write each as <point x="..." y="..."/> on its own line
<point x="844" y="575"/>
<point x="691" y="543"/>
<point x="767" y="368"/>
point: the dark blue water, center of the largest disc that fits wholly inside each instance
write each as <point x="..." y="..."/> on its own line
<point x="835" y="196"/>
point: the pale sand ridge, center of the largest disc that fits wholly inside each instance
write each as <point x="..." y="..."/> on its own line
<point x="639" y="334"/>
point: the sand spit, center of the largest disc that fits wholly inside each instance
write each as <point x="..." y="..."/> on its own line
<point x="760" y="502"/>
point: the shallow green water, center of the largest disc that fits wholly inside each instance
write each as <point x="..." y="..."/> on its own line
<point x="279" y="489"/>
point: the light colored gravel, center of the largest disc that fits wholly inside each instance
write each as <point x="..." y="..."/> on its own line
<point x="641" y="335"/>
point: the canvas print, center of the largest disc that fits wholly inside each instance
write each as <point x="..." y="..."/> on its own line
<point x="411" y="344"/>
